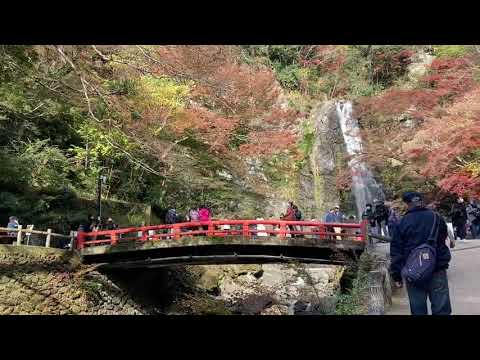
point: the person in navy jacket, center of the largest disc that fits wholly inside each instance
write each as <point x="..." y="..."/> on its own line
<point x="414" y="229"/>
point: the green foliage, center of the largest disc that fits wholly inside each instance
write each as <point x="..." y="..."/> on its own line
<point x="49" y="167"/>
<point x="288" y="76"/>
<point x="284" y="59"/>
<point x="371" y="69"/>
<point x="299" y="101"/>
<point x="450" y="50"/>
<point x="122" y="87"/>
<point x="103" y="145"/>
<point x="353" y="301"/>
<point x="308" y="139"/>
<point x="239" y="137"/>
<point x="284" y="55"/>
<point x="471" y="163"/>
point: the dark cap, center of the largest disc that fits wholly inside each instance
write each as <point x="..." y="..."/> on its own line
<point x="411" y="196"/>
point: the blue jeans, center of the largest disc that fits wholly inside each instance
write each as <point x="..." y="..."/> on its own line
<point x="436" y="290"/>
<point x="475" y="229"/>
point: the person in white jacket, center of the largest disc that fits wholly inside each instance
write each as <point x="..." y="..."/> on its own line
<point x="261" y="227"/>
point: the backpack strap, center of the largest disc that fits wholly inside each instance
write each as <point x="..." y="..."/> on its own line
<point x="432" y="238"/>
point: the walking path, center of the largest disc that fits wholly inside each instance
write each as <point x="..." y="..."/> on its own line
<point x="462" y="280"/>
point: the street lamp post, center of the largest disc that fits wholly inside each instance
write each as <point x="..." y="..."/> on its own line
<point x="102" y="179"/>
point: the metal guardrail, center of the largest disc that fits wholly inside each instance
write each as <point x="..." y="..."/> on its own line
<point x="380" y="237"/>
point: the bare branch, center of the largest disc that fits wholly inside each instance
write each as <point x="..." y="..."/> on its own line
<point x="88" y="99"/>
<point x="132" y="158"/>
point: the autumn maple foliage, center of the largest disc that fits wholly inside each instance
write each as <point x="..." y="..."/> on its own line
<point x="446" y="147"/>
<point x="227" y="96"/>
<point x="433" y="131"/>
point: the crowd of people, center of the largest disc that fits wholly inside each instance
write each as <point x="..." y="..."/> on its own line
<point x="466" y="217"/>
<point x="97" y="224"/>
<point x="382" y="217"/>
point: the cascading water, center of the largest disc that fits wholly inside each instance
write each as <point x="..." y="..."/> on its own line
<point x="364" y="187"/>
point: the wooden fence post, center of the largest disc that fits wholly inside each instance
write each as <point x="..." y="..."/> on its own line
<point x="19" y="235"/>
<point x="49" y="237"/>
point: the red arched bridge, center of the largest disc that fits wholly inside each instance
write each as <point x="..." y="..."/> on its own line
<point x="223" y="242"/>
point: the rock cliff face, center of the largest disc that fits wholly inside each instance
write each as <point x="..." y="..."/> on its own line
<point x="318" y="179"/>
<point x="313" y="188"/>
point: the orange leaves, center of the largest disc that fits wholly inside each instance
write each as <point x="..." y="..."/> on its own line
<point x="448" y="79"/>
<point x="282" y="117"/>
<point x="441" y="124"/>
<point x="328" y="57"/>
<point x="462" y="184"/>
<point x="212" y="128"/>
<point x="395" y="102"/>
<point x="444" y="141"/>
<point x="268" y="142"/>
<point x="225" y="93"/>
<point x="232" y="87"/>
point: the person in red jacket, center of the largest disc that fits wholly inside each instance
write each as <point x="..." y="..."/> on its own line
<point x="290" y="215"/>
<point x="204" y="214"/>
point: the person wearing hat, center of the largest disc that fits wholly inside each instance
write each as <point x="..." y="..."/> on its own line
<point x="413" y="230"/>
<point x="338" y="218"/>
<point x="12" y="224"/>
<point x="111" y="224"/>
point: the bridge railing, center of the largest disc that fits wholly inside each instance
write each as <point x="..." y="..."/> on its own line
<point x="253" y="229"/>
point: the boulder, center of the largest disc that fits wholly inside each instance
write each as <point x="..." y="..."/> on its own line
<point x="209" y="280"/>
<point x="275" y="309"/>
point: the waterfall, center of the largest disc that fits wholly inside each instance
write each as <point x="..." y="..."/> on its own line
<point x="364" y="187"/>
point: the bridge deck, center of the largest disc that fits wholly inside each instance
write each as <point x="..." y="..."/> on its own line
<point x="240" y="242"/>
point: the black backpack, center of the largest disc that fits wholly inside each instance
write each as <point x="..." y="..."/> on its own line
<point x="171" y="217"/>
<point x="298" y="214"/>
<point x="381" y="212"/>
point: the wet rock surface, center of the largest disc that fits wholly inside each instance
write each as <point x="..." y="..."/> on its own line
<point x="275" y="288"/>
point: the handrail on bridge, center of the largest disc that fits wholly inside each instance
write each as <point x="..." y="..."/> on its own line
<point x="225" y="228"/>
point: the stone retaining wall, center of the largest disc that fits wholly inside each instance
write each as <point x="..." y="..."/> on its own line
<point x="35" y="280"/>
